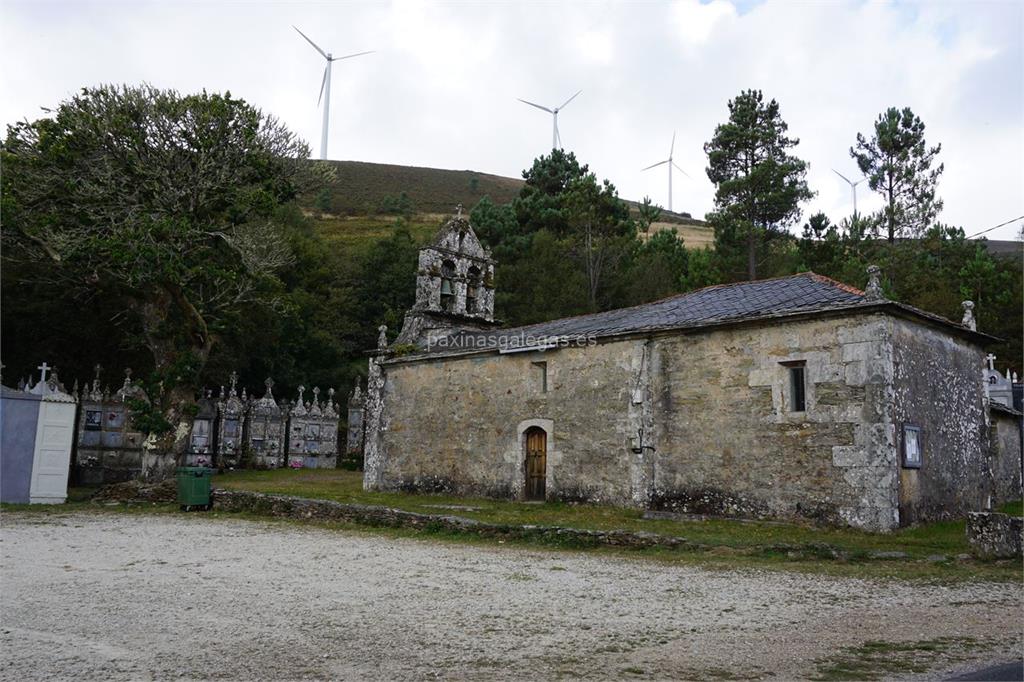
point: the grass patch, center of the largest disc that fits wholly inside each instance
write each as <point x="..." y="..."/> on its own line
<point x="1013" y="508"/>
<point x="875" y="660"/>
<point x="346" y="486"/>
<point x="734" y="543"/>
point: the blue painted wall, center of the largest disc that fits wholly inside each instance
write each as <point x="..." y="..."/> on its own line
<point x="19" y="414"/>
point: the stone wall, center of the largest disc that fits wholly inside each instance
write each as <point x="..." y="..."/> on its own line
<point x="459" y="425"/>
<point x="695" y="423"/>
<point x="1005" y="456"/>
<point x="995" y="536"/>
<point x="937" y="387"/>
<point x="729" y="441"/>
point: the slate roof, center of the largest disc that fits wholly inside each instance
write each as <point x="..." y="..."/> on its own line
<point x="803" y="293"/>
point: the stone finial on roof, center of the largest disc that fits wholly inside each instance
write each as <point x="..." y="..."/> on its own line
<point x="234" y="382"/>
<point x="382" y="337"/>
<point x="458" y="211"/>
<point x="873" y="290"/>
<point x="969" y="320"/>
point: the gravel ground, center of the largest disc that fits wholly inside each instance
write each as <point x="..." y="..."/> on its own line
<point x="115" y="596"/>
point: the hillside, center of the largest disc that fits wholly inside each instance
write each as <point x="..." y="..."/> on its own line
<point x="363" y="189"/>
<point x="361" y="203"/>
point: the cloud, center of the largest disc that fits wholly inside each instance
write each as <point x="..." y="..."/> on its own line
<point x="695" y="22"/>
<point x="441" y="88"/>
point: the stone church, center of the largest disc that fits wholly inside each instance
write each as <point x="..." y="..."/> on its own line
<point x="796" y="398"/>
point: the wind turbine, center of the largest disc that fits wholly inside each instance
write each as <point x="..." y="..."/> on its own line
<point x="670" y="163"/>
<point x="326" y="85"/>
<point x="556" y="139"/>
<point x="853" y="186"/>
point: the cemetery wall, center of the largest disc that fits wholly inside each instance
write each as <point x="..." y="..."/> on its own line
<point x="1005" y="455"/>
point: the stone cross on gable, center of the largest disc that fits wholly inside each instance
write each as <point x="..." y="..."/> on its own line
<point x="43" y="369"/>
<point x="991" y="361"/>
<point x="458" y="211"/>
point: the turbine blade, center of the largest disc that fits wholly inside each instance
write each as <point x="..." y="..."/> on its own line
<point x="349" y="56"/>
<point x="315" y="46"/>
<point x="322" y="84"/>
<point x="654" y="165"/>
<point x="536" y="105"/>
<point x="570" y="99"/>
<point x="842" y="176"/>
<point x="681" y="170"/>
<point x="673" y="147"/>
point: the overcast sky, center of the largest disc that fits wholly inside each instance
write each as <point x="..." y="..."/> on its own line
<point x="441" y="88"/>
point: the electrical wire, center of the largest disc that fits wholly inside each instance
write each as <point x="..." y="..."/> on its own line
<point x="972" y="236"/>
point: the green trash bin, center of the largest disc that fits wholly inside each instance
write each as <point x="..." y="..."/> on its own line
<point x="194" y="487"/>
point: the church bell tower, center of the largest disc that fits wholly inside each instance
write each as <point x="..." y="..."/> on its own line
<point x="454" y="285"/>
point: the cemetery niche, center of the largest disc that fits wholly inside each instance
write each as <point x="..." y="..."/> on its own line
<point x="37" y="429"/>
<point x="355" y="432"/>
<point x="264" y="440"/>
<point x="201" y="437"/>
<point x="231" y="411"/>
<point x="110" y="447"/>
<point x="313" y="432"/>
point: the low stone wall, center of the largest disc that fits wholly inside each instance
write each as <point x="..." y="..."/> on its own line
<point x="284" y="506"/>
<point x="995" y="536"/>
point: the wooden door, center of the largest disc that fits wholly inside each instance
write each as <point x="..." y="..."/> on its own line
<point x="536" y="463"/>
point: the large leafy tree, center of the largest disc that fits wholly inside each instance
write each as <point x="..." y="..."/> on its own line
<point x="898" y="165"/>
<point x="759" y="184"/>
<point x="168" y="201"/>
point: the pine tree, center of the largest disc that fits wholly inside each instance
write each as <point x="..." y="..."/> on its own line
<point x="898" y="166"/>
<point x="759" y="184"/>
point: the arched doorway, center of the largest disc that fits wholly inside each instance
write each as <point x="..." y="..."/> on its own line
<point x="536" y="462"/>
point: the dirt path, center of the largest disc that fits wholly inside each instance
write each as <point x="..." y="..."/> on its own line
<point x="117" y="596"/>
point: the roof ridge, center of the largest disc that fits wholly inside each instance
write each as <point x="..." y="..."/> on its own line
<point x="836" y="283"/>
<point x="807" y="274"/>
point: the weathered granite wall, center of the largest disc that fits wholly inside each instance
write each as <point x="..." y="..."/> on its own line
<point x="729" y="441"/>
<point x="695" y="423"/>
<point x="1005" y="456"/>
<point x="995" y="536"/>
<point x="937" y="387"/>
<point x="459" y="425"/>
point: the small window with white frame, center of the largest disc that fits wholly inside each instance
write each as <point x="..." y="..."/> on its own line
<point x="912" y="447"/>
